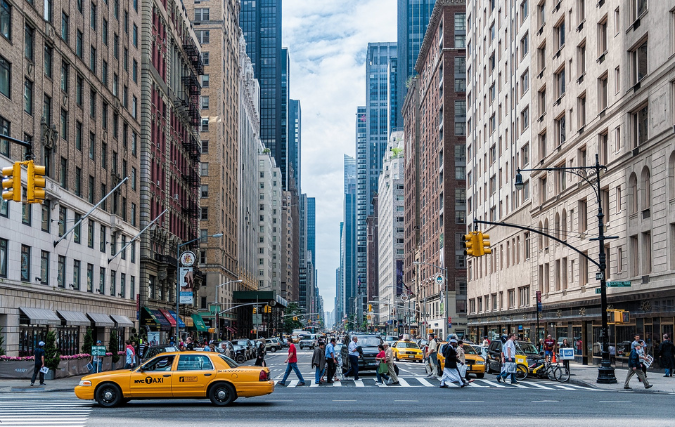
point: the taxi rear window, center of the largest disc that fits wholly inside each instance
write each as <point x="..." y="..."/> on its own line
<point x="231" y="363"/>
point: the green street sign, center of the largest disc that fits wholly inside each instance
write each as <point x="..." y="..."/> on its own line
<point x="618" y="284"/>
<point x="598" y="290"/>
<point x="98" y="350"/>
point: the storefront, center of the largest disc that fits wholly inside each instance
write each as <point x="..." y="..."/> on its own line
<point x="156" y="326"/>
<point x="200" y="326"/>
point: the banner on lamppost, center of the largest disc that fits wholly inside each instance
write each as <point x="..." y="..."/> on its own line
<point x="186" y="285"/>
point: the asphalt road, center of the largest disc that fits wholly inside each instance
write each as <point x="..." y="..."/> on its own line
<point x="484" y="402"/>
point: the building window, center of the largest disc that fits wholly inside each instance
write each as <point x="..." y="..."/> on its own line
<point x="28" y="97"/>
<point x="78" y="44"/>
<point x="205" y="80"/>
<point x="26" y="212"/>
<point x="204" y="169"/>
<point x="581" y="59"/>
<point x="602" y="92"/>
<point x="205" y="125"/>
<point x="25" y="263"/>
<point x="524" y="46"/>
<point x="4" y="244"/>
<point x="29" y="41"/>
<point x="5" y="79"/>
<point x="638" y="57"/>
<point x="581" y="111"/>
<point x="560" y="82"/>
<point x="205" y="191"/>
<point x="134" y="36"/>
<point x="44" y="267"/>
<point x="6" y="19"/>
<point x="202" y="36"/>
<point x="639" y="124"/>
<point x="61" y="272"/>
<point x="101" y="281"/>
<point x="559" y="31"/>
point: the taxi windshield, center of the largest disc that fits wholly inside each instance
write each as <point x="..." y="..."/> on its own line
<point x="407" y="345"/>
<point x="468" y="349"/>
<point x="527" y="348"/>
<point x="231" y="363"/>
<point x="368" y="342"/>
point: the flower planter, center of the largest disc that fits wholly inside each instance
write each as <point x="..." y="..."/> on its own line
<point x="16" y="369"/>
<point x="62" y="370"/>
<point x="50" y="375"/>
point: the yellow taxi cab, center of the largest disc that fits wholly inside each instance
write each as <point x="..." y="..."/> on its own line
<point x="178" y="375"/>
<point x="475" y="364"/>
<point x="407" y="350"/>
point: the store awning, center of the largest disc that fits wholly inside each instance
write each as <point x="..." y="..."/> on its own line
<point x="159" y="318"/>
<point x="230" y="329"/>
<point x="181" y="324"/>
<point x="122" y="321"/>
<point x="199" y="323"/>
<point x="101" y="320"/>
<point x="74" y="318"/>
<point x="188" y="321"/>
<point x="168" y="317"/>
<point x="40" y="316"/>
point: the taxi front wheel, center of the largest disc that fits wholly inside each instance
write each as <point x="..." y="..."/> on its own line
<point x="108" y="395"/>
<point x="222" y="394"/>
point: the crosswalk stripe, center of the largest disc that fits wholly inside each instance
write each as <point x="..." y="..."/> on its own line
<point x="541" y="386"/>
<point x="359" y="383"/>
<point x="425" y="382"/>
<point x="403" y="382"/>
<point x="564" y="387"/>
<point x="491" y="383"/>
<point x="337" y="384"/>
<point x="475" y="384"/>
<point x="314" y="384"/>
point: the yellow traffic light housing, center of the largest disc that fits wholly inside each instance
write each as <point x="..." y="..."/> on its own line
<point x="11" y="184"/>
<point x="35" y="192"/>
<point x="295" y="318"/>
<point x="484" y="244"/>
<point x="370" y="307"/>
<point x="470" y="244"/>
<point x="255" y="310"/>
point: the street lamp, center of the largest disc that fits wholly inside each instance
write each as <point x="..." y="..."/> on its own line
<point x="445" y="303"/>
<point x="178" y="278"/>
<point x="605" y="371"/>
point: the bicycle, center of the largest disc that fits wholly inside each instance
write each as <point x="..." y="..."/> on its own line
<point x="545" y="369"/>
<point x="562" y="374"/>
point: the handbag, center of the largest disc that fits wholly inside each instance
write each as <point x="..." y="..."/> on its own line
<point x="462" y="370"/>
<point x="383" y="368"/>
<point x="510" y="367"/>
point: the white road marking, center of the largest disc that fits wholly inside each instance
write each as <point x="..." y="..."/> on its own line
<point x="359" y="383"/>
<point x="491" y="383"/>
<point x="424" y="382"/>
<point x="403" y="382"/>
<point x="540" y="386"/>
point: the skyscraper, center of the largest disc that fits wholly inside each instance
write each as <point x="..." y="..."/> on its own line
<point x="261" y="24"/>
<point x="295" y="141"/>
<point x="311" y="227"/>
<point x="348" y="235"/>
<point x="371" y="139"/>
<point x="413" y="18"/>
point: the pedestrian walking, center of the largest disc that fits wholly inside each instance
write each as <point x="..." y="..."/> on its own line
<point x="260" y="354"/>
<point x="97" y="361"/>
<point x="39" y="355"/>
<point x="432" y="354"/>
<point x="190" y="345"/>
<point x="667" y="351"/>
<point x="292" y="364"/>
<point x="130" y="354"/>
<point x="382" y="368"/>
<point x="319" y="362"/>
<point x="486" y="341"/>
<point x="634" y="363"/>
<point x="451" y="372"/>
<point x="331" y="361"/>
<point x="461" y="359"/>
<point x="509" y="360"/>
<point x="641" y="353"/>
<point x="353" y="359"/>
<point x="389" y="358"/>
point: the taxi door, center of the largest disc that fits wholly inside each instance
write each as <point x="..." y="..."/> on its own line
<point x="193" y="373"/>
<point x="153" y="379"/>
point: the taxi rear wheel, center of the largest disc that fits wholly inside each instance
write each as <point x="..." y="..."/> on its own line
<point x="222" y="394"/>
<point x="109" y="395"/>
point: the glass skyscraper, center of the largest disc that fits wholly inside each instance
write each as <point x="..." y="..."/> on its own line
<point x="348" y="236"/>
<point x="294" y="141"/>
<point x="413" y="19"/>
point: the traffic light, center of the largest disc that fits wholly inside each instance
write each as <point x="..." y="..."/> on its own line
<point x="471" y="244"/>
<point x="317" y="317"/>
<point x="267" y="309"/>
<point x="484" y="244"/>
<point x="370" y="307"/>
<point x="295" y="318"/>
<point x="35" y="192"/>
<point x="255" y="310"/>
<point x="11" y="184"/>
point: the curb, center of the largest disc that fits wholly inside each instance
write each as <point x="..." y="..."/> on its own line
<point x="582" y="383"/>
<point x="35" y="390"/>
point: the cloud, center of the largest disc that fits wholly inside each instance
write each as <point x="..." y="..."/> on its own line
<point x="327" y="41"/>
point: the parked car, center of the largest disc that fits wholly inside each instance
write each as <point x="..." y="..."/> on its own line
<point x="307" y="343"/>
<point x="154" y="350"/>
<point x="239" y="353"/>
<point x="368" y="345"/>
<point x="273" y="344"/>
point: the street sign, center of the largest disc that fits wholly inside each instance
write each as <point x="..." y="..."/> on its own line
<point x="625" y="284"/>
<point x="598" y="290"/>
<point x="98" y="350"/>
<point x="439" y="279"/>
<point x="257" y="319"/>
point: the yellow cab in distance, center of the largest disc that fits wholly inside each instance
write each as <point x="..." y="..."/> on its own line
<point x="475" y="363"/>
<point x="407" y="350"/>
<point x="178" y="375"/>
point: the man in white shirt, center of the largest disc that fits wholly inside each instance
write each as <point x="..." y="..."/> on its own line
<point x="353" y="359"/>
<point x="432" y="354"/>
<point x="509" y="352"/>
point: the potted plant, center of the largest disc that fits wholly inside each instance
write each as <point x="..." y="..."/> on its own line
<point x="52" y="356"/>
<point x="2" y="343"/>
<point x="88" y="341"/>
<point x="114" y="345"/>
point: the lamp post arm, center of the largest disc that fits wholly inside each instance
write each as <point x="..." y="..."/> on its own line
<point x="573" y="169"/>
<point x="534" y="230"/>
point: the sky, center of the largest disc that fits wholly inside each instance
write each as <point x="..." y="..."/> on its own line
<point x="327" y="42"/>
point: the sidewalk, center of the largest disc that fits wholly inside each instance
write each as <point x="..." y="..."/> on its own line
<point x="588" y="375"/>
<point x="23" y="385"/>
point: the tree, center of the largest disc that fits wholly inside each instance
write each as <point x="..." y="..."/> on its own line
<point x="2" y="343"/>
<point x="114" y="345"/>
<point x="52" y="356"/>
<point x="293" y="310"/>
<point x="88" y="341"/>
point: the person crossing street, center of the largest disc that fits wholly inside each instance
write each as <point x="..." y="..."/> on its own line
<point x="353" y="359"/>
<point x="432" y="354"/>
<point x="330" y="361"/>
<point x="389" y="358"/>
<point x="292" y="364"/>
<point x="319" y="362"/>
<point x="634" y="368"/>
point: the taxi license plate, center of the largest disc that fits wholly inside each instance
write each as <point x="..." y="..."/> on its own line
<point x="411" y="356"/>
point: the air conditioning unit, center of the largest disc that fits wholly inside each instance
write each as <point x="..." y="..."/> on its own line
<point x="175" y="197"/>
<point x="158" y="183"/>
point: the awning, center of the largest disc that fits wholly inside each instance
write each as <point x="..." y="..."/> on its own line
<point x="159" y="318"/>
<point x="168" y="317"/>
<point x="74" y="318"/>
<point x="230" y="329"/>
<point x="101" y="320"/>
<point x="188" y="321"/>
<point x="122" y="321"/>
<point x="181" y="324"/>
<point x="199" y="323"/>
<point x="40" y="316"/>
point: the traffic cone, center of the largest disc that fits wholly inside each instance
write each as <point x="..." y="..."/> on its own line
<point x="554" y="361"/>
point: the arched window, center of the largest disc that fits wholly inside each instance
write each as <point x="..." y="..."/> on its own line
<point x="632" y="188"/>
<point x="546" y="232"/>
<point x="540" y="241"/>
<point x="556" y="231"/>
<point x="671" y="176"/>
<point x="646" y="188"/>
<point x="563" y="225"/>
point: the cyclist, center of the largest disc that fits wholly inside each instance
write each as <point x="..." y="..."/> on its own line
<point x="549" y="347"/>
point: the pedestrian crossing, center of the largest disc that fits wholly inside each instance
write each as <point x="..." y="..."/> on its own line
<point x="419" y="382"/>
<point x="43" y="412"/>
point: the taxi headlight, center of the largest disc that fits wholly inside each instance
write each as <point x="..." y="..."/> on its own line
<point x="480" y="362"/>
<point x="85" y="383"/>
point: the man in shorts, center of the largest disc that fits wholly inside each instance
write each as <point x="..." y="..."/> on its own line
<point x="549" y="347"/>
